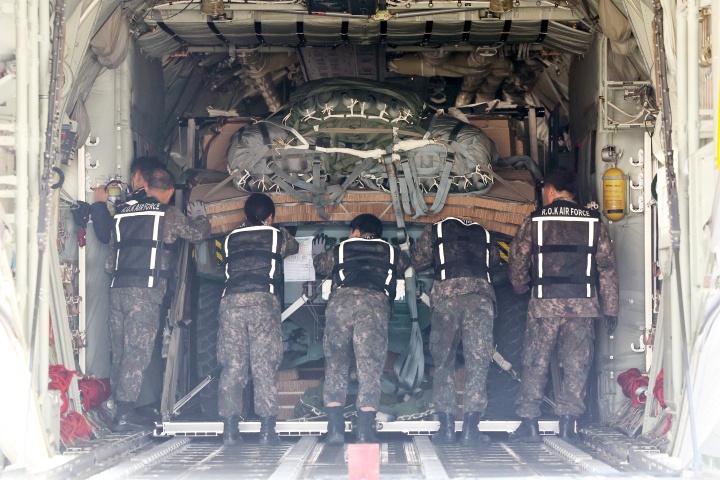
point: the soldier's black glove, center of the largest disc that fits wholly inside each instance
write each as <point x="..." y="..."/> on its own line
<point x="611" y="322"/>
<point x="318" y="244"/>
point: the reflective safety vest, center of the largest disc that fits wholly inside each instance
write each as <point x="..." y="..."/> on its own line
<point x="252" y="260"/>
<point x="366" y="263"/>
<point x="461" y="249"/>
<point x="139" y="243"/>
<point x="565" y="238"/>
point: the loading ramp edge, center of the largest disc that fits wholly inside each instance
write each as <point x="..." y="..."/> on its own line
<point x="141" y="461"/>
<point x="86" y="457"/>
<point x="315" y="428"/>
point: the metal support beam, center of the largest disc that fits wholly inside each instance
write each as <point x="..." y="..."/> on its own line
<point x="649" y="247"/>
<point x="22" y="65"/>
<point x="82" y="274"/>
<point x="532" y="138"/>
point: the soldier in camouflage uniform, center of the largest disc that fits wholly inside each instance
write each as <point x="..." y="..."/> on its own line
<point x="249" y="334"/>
<point x="563" y="251"/>
<point x="364" y="270"/>
<point x="141" y="261"/>
<point x="463" y="307"/>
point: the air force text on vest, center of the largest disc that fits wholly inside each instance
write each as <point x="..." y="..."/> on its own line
<point x="564" y="211"/>
<point x="142" y="207"/>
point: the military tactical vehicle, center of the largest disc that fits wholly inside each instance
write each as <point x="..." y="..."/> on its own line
<point x="411" y="110"/>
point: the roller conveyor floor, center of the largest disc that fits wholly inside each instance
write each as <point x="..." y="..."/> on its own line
<point x="401" y="457"/>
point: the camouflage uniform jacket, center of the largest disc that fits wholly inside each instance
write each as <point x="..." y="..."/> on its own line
<point x="421" y="256"/>
<point x="175" y="225"/>
<point x="325" y="263"/>
<point x="521" y="258"/>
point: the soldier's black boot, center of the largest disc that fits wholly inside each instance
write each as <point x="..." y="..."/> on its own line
<point x="268" y="435"/>
<point x="231" y="430"/>
<point x="365" y="432"/>
<point x="470" y="433"/>
<point x="527" y="432"/>
<point x="446" y="433"/>
<point x="335" y="426"/>
<point x="567" y="428"/>
<point x="126" y="420"/>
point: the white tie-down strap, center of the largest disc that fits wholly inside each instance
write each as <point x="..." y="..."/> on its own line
<point x="401" y="146"/>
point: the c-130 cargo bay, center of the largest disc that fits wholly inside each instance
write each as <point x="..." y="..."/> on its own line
<point x="430" y="116"/>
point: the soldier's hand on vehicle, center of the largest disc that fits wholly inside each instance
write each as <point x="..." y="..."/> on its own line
<point x="611" y="322"/>
<point x="100" y="194"/>
<point x="196" y="209"/>
<point x="318" y="244"/>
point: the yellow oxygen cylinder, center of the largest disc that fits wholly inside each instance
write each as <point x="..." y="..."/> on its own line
<point x="114" y="195"/>
<point x="614" y="194"/>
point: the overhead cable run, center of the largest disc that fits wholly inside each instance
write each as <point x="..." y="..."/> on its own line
<point x="268" y="29"/>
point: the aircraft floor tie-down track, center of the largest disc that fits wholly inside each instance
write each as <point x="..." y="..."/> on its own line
<point x="304" y="454"/>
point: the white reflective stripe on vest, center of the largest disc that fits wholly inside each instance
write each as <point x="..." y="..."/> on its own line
<point x="341" y="260"/>
<point x="390" y="270"/>
<point x="153" y="252"/>
<point x="591" y="240"/>
<point x="273" y="262"/>
<point x="487" y="255"/>
<point x="156" y="230"/>
<point x="254" y="228"/>
<point x="441" y="249"/>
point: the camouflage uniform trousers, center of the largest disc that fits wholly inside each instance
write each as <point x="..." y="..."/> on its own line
<point x="574" y="337"/>
<point x="470" y="318"/>
<point x="249" y="337"/>
<point x="357" y="318"/>
<point x="134" y="325"/>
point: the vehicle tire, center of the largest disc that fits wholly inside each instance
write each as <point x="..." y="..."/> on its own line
<point x="508" y="333"/>
<point x="208" y="306"/>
